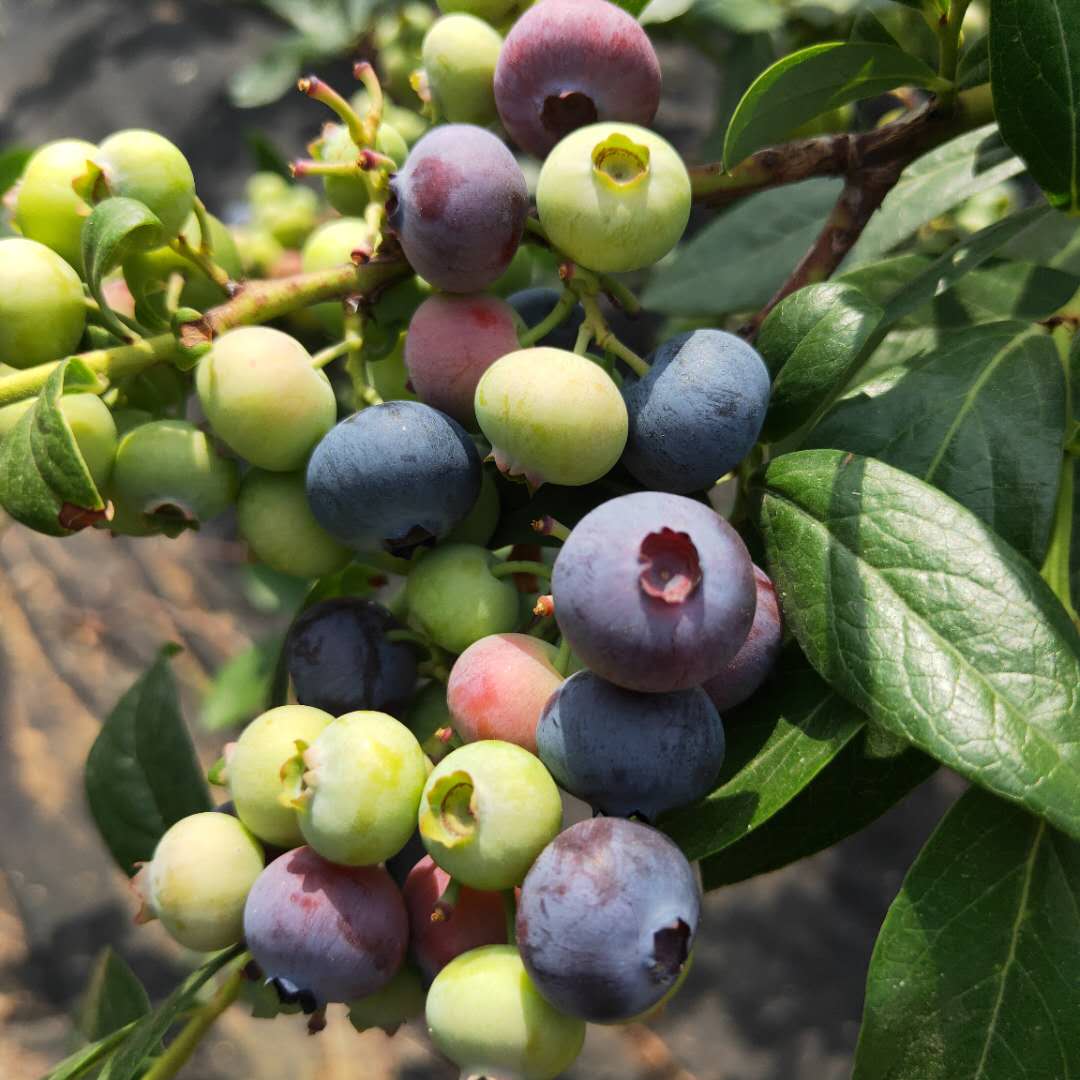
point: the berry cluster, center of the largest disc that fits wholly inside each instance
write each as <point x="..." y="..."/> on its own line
<point x="394" y="839"/>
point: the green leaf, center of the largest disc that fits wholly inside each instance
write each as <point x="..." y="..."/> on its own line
<point x="239" y="690"/>
<point x="777" y="744"/>
<point x="982" y="418"/>
<point x="1035" y="76"/>
<point x="934" y="183"/>
<point x="635" y="7"/>
<point x="742" y="58"/>
<point x="925" y="619"/>
<point x="127" y="1062"/>
<point x="810" y="341"/>
<point x="742" y="16"/>
<point x="656" y="12"/>
<point x="974" y="66"/>
<point x="869" y="28"/>
<point x="813" y="81"/>
<point x="869" y="776"/>
<point x="271" y="75"/>
<point x="141" y="773"/>
<point x="959" y="260"/>
<point x="1054" y="241"/>
<point x="115" y="229"/>
<point x="12" y="162"/>
<point x="113" y="998"/>
<point x="974" y="971"/>
<point x="44" y="480"/>
<point x="737" y="262"/>
<point x="89" y="1057"/>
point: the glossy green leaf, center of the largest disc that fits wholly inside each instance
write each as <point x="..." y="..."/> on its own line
<point x="114" y="997"/>
<point x="272" y="74"/>
<point x="737" y="262"/>
<point x="141" y="773"/>
<point x="918" y="613"/>
<point x="936" y="182"/>
<point x="1054" y="242"/>
<point x="12" y="161"/>
<point x="974" y="66"/>
<point x="635" y="7"/>
<point x="742" y="16"/>
<point x="813" y="81"/>
<point x="982" y="418"/>
<point x="870" y="775"/>
<point x="777" y="743"/>
<point x="1035" y="76"/>
<point x="868" y="27"/>
<point x="88" y="1058"/>
<point x="127" y="1063"/>
<point x="974" y="971"/>
<point x="742" y="58"/>
<point x="115" y="229"/>
<point x="44" y="481"/>
<point x="809" y="342"/>
<point x="239" y="690"/>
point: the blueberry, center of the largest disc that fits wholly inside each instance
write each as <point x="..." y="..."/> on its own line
<point x="751" y="665"/>
<point x="628" y="753"/>
<point x="340" y="661"/>
<point x="458" y="207"/>
<point x="607" y="919"/>
<point x="697" y="413"/>
<point x="393" y="476"/>
<point x="654" y="592"/>
<point x="535" y="305"/>
<point x="323" y="933"/>
<point x="567" y="63"/>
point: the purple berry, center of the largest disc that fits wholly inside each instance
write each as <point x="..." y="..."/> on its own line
<point x="628" y="753"/>
<point x="323" y="933"/>
<point x="393" y="476"/>
<point x="568" y="63"/>
<point x="697" y="413"/>
<point x="654" y="592"/>
<point x="607" y="919"/>
<point x="751" y="665"/>
<point x="458" y="207"/>
<point x="340" y="661"/>
<point x="535" y="305"/>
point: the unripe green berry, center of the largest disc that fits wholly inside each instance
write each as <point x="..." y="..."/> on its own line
<point x="453" y="597"/>
<point x="332" y="245"/>
<point x="484" y="1013"/>
<point x="263" y="398"/>
<point x="351" y="194"/>
<point x="362" y="785"/>
<point x="253" y="770"/>
<point x="551" y="416"/>
<point x="274" y="518"/>
<point x="197" y="882"/>
<point x="459" y="57"/>
<point x="145" y="166"/>
<point x="168" y="476"/>
<point x="47" y="209"/>
<point x="42" y="311"/>
<point x="488" y="809"/>
<point x="614" y="197"/>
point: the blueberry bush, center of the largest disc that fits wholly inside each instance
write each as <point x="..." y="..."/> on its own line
<point x="732" y="496"/>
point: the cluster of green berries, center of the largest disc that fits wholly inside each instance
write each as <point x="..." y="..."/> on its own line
<point x="394" y="839"/>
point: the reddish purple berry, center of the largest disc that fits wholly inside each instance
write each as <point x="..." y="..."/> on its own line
<point x="568" y="63"/>
<point x="323" y="933"/>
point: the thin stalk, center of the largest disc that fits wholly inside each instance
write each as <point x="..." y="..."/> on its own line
<point x="605" y="339"/>
<point x="330" y="354"/>
<point x="315" y="88"/>
<point x="183" y="1046"/>
<point x="562" y="658"/>
<point x="521" y="566"/>
<point x="558" y="314"/>
<point x="365" y="73"/>
<point x="206" y="234"/>
<point x="197" y="257"/>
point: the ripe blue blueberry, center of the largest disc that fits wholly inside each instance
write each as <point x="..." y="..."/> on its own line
<point x="340" y="661"/>
<point x="628" y="753"/>
<point x="654" y="592"/>
<point x="697" y="413"/>
<point x="607" y="919"/>
<point x="458" y="207"/>
<point x="393" y="476"/>
<point x="323" y="933"/>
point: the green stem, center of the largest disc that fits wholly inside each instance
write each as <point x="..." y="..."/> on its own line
<point x="521" y="566"/>
<point x="86" y="1058"/>
<point x="365" y="73"/>
<point x="605" y="339"/>
<point x="199" y="258"/>
<point x="558" y="314"/>
<point x="95" y="314"/>
<point x="584" y="337"/>
<point x="330" y="354"/>
<point x="620" y="294"/>
<point x="315" y="88"/>
<point x="562" y="658"/>
<point x="948" y="32"/>
<point x="206" y="234"/>
<point x="183" y="1046"/>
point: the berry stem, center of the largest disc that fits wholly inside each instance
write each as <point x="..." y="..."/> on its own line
<point x="548" y="526"/>
<point x="311" y="167"/>
<point x="584" y="338"/>
<point x="315" y="88"/>
<point x="948" y="34"/>
<point x="197" y="257"/>
<point x="620" y="294"/>
<point x="95" y="314"/>
<point x="558" y="314"/>
<point x="183" y="1046"/>
<point x="365" y="73"/>
<point x="521" y="566"/>
<point x="562" y="658"/>
<point x="605" y="339"/>
<point x="330" y="354"/>
<point x="255" y="302"/>
<point x="206" y="234"/>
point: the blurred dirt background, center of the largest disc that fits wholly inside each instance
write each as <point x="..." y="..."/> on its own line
<point x="776" y="990"/>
